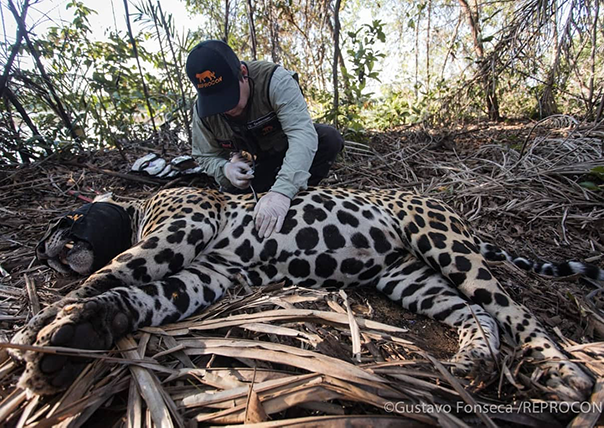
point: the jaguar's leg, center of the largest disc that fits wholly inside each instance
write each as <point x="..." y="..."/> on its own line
<point x="459" y="260"/>
<point x="96" y="322"/>
<point x="149" y="260"/>
<point x="422" y="290"/>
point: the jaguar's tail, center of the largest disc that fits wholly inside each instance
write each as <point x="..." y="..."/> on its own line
<point x="567" y="268"/>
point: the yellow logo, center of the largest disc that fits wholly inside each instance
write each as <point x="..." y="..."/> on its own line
<point x="75" y="217"/>
<point x="207" y="78"/>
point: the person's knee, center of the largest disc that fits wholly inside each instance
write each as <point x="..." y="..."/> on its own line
<point x="331" y="141"/>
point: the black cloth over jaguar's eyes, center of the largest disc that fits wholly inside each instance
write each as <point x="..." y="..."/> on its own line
<point x="105" y="226"/>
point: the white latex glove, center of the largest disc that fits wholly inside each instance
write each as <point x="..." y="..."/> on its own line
<point x="238" y="172"/>
<point x="270" y="213"/>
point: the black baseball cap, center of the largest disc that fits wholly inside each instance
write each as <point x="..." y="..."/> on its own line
<point x="213" y="68"/>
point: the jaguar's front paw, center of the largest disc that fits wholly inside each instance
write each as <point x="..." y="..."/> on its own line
<point x="27" y="335"/>
<point x="88" y="324"/>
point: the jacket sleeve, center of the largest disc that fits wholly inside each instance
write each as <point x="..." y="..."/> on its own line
<point x="207" y="153"/>
<point x="289" y="104"/>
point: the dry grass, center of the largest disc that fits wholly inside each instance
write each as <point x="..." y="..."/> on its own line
<point x="287" y="356"/>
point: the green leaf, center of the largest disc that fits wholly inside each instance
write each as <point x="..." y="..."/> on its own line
<point x="598" y="171"/>
<point x="589" y="185"/>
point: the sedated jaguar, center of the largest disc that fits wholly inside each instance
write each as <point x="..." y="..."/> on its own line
<point x="161" y="259"/>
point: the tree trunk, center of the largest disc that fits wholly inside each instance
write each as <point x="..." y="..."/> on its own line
<point x="14" y="50"/>
<point x="140" y="69"/>
<point x="226" y="21"/>
<point x="273" y="26"/>
<point x="250" y="12"/>
<point x="486" y="70"/>
<point x="336" y="56"/>
<point x="416" y="85"/>
<point x="428" y="46"/>
<point x="183" y="107"/>
<point x="341" y="62"/>
<point x="547" y="100"/>
<point x="594" y="39"/>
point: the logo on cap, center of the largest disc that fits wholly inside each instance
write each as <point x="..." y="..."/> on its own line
<point x="207" y="78"/>
<point x="75" y="217"/>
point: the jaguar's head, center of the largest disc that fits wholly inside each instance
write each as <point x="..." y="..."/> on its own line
<point x="86" y="239"/>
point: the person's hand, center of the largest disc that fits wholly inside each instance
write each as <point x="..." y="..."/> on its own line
<point x="270" y="213"/>
<point x="238" y="172"/>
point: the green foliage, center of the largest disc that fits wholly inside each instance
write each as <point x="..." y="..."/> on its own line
<point x="437" y="79"/>
<point x="363" y="55"/>
<point x="99" y="84"/>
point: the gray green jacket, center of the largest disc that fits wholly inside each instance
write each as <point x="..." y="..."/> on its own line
<point x="274" y="90"/>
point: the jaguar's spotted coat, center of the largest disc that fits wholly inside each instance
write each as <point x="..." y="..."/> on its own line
<point x="190" y="243"/>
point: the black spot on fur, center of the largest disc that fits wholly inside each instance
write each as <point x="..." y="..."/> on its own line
<point x="175" y="226"/>
<point x="460" y="248"/>
<point x="269" y="251"/>
<point x="457" y="278"/>
<point x="289" y="223"/>
<point x="177" y="262"/>
<point x="208" y="294"/>
<point x="370" y="273"/>
<point x="482" y="297"/>
<point x="164" y="256"/>
<point x="307" y="238"/>
<point x="195" y="236"/>
<point x="351" y="266"/>
<point x="380" y="242"/>
<point x="176" y="291"/>
<point x="439" y="239"/>
<point x="359" y="240"/>
<point x="176" y="237"/>
<point x="346" y="218"/>
<point x="444" y="259"/>
<point x="312" y="214"/>
<point x="484" y="274"/>
<point x="350" y="206"/>
<point x="299" y="268"/>
<point x="284" y="256"/>
<point x="333" y="238"/>
<point x="238" y="231"/>
<point x="444" y="314"/>
<point x="463" y="264"/>
<point x="269" y="270"/>
<point x="423" y="244"/>
<point x="245" y="251"/>
<point x="390" y="286"/>
<point x="502" y="300"/>
<point x="150" y="243"/>
<point x="223" y="243"/>
<point x="419" y="220"/>
<point x="412" y="228"/>
<point x="325" y="265"/>
<point x="438" y="216"/>
<point x="439" y="226"/>
<point x="411" y="289"/>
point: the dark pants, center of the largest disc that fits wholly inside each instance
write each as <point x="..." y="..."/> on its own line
<point x="330" y="144"/>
